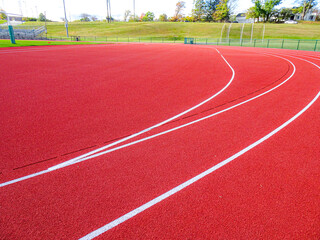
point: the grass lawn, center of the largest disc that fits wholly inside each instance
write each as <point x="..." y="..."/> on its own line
<point x="305" y="30"/>
<point x="21" y="43"/>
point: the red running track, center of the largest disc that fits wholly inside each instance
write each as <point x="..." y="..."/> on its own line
<point x="54" y="103"/>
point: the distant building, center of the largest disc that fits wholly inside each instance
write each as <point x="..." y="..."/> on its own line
<point x="311" y="15"/>
<point x="15" y="18"/>
<point x="241" y="18"/>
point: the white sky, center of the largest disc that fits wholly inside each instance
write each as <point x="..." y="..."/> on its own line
<point x="54" y="8"/>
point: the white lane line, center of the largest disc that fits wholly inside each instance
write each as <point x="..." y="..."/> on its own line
<point x="160" y="198"/>
<point x="159" y="134"/>
<point x="24" y="178"/>
<point x="173" y="129"/>
<point x="315" y="58"/>
<point x="152" y="127"/>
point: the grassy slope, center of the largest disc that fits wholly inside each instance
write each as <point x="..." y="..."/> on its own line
<point x="202" y="30"/>
<point x="21" y="43"/>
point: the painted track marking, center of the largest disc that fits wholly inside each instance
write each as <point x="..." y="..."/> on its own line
<point x="71" y="161"/>
<point x="150" y="137"/>
<point x="176" y="128"/>
<point x="177" y="189"/>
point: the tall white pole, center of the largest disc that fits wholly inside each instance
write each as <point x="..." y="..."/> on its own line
<point x="134" y="10"/>
<point x="65" y="18"/>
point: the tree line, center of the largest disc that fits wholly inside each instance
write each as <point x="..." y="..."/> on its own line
<point x="222" y="11"/>
<point x="203" y="10"/>
<point x="267" y="11"/>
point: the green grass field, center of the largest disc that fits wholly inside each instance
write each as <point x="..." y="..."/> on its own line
<point x="180" y="30"/>
<point x="2" y="21"/>
<point x="22" y="43"/>
<point x="292" y="36"/>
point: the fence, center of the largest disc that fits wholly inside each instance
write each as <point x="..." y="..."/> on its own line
<point x="23" y="32"/>
<point x="308" y="45"/>
<point x="296" y="44"/>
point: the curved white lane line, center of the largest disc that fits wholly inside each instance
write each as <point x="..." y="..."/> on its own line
<point x="176" y="128"/>
<point x="315" y="58"/>
<point x="150" y="128"/>
<point x="160" y="198"/>
<point x="159" y="134"/>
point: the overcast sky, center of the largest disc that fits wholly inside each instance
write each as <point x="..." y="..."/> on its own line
<point x="54" y="8"/>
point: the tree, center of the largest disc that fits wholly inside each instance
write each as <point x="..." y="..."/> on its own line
<point x="163" y="18"/>
<point x="306" y="5"/>
<point x="210" y="8"/>
<point x="199" y="9"/>
<point x="252" y="13"/>
<point x="3" y="16"/>
<point x="42" y="17"/>
<point x="256" y="11"/>
<point x="178" y="12"/>
<point x="84" y="17"/>
<point x="126" y="15"/>
<point x="285" y="13"/>
<point x="134" y="18"/>
<point x="269" y="6"/>
<point x="223" y="12"/>
<point x="94" y="18"/>
<point x="264" y="8"/>
<point x="148" y="17"/>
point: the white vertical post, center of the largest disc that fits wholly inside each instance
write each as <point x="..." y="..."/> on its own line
<point x="222" y="31"/>
<point x="241" y="32"/>
<point x="229" y="31"/>
<point x="251" y="33"/>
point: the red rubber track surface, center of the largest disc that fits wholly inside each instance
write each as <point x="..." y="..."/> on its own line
<point x="59" y="100"/>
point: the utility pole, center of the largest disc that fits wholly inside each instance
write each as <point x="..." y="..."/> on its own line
<point x="65" y="18"/>
<point x="109" y="17"/>
<point x="20" y="7"/>
<point x="134" y="10"/>
<point x="107" y="2"/>
<point x="45" y="21"/>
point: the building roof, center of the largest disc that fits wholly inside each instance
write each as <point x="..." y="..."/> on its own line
<point x="241" y="15"/>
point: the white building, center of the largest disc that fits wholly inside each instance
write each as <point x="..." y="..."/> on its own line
<point x="311" y="15"/>
<point x="241" y="18"/>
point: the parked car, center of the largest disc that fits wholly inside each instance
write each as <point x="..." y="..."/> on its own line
<point x="290" y="22"/>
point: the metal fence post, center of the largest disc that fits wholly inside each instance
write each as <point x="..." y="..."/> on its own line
<point x="282" y="43"/>
<point x="315" y="46"/>
<point x="298" y="44"/>
<point x="254" y="43"/>
<point x="268" y="43"/>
